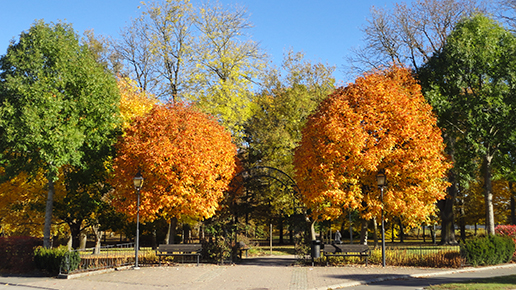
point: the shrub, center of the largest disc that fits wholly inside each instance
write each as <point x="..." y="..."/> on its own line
<point x="507" y="231"/>
<point x="490" y="250"/>
<point x="219" y="250"/>
<point x="17" y="253"/>
<point x="53" y="260"/>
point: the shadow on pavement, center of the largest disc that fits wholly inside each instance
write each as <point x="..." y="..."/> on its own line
<point x="33" y="274"/>
<point x="394" y="280"/>
<point x="269" y="261"/>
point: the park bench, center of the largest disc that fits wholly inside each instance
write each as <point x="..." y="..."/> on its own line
<point x="242" y="247"/>
<point x="179" y="250"/>
<point x="346" y="250"/>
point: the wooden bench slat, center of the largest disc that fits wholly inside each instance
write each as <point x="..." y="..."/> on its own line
<point x="346" y="250"/>
<point x="179" y="250"/>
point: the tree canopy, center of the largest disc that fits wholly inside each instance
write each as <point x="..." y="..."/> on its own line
<point x="289" y="95"/>
<point x="134" y="101"/>
<point x="56" y="102"/>
<point x="201" y="54"/>
<point x="409" y="34"/>
<point x="381" y="122"/>
<point x="471" y="87"/>
<point x="186" y="158"/>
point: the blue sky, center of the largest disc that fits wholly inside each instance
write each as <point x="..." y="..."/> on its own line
<point x="325" y="30"/>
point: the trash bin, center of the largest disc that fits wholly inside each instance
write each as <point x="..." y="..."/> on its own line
<point x="316" y="249"/>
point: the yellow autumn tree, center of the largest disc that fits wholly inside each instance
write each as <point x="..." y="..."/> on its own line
<point x="381" y="122"/>
<point x="22" y="204"/>
<point x="133" y="100"/>
<point x="474" y="202"/>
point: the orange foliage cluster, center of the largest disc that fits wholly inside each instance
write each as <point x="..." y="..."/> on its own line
<point x="187" y="160"/>
<point x="381" y="121"/>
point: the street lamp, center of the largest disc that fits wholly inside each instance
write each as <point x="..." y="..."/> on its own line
<point x="138" y="182"/>
<point x="382" y="182"/>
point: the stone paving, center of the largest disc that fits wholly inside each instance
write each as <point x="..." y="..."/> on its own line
<point x="272" y="273"/>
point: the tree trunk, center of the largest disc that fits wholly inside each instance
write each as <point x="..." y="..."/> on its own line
<point x="433" y="232"/>
<point x="402" y="233"/>
<point x="280" y="226"/>
<point x="462" y="222"/>
<point x="350" y="228"/>
<point x="312" y="230"/>
<point x="186" y="233"/>
<point x="392" y="232"/>
<point x="171" y="234"/>
<point x="488" y="194"/>
<point x="375" y="225"/>
<point x="48" y="212"/>
<point x="98" y="237"/>
<point x="446" y="211"/>
<point x="69" y="243"/>
<point x="75" y="232"/>
<point x="154" y="242"/>
<point x="513" y="215"/>
<point x="363" y="232"/>
<point x="291" y="234"/>
<point x="84" y="239"/>
<point x="446" y="205"/>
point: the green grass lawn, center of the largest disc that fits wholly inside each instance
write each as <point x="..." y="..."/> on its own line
<point x="504" y="282"/>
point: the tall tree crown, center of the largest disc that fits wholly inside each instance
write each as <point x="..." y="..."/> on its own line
<point x="54" y="99"/>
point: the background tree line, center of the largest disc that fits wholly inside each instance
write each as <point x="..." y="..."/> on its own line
<point x="60" y="119"/>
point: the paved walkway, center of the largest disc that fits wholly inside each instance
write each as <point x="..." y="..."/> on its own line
<point x="261" y="273"/>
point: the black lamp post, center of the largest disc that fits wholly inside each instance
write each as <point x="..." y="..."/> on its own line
<point x="382" y="182"/>
<point x="138" y="182"/>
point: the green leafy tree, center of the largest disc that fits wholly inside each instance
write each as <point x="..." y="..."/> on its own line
<point x="288" y="96"/>
<point x="282" y="107"/>
<point x="84" y="202"/>
<point x="471" y="87"/>
<point x="56" y="102"/>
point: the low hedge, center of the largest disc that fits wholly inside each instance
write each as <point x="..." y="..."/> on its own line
<point x="56" y="260"/>
<point x="490" y="250"/>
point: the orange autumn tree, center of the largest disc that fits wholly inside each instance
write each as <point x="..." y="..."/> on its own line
<point x="381" y="122"/>
<point x="186" y="158"/>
